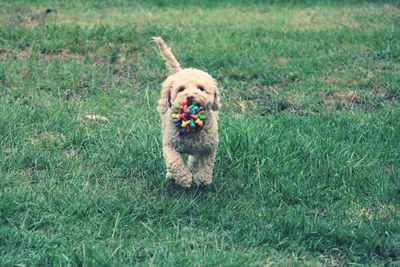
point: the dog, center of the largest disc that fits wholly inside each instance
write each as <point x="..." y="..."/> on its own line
<point x="200" y="145"/>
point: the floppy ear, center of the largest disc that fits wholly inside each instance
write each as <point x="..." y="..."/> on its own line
<point x="165" y="100"/>
<point x="217" y="101"/>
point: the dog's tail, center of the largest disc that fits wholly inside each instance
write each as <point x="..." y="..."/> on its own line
<point x="172" y="64"/>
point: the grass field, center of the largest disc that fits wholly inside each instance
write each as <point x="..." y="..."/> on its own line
<point x="307" y="170"/>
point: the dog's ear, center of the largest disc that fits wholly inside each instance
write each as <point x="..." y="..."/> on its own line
<point x="217" y="101"/>
<point x="165" y="101"/>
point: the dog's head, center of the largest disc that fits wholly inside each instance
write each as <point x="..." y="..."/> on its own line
<point x="189" y="83"/>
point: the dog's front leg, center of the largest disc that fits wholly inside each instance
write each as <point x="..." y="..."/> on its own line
<point x="201" y="166"/>
<point x="176" y="168"/>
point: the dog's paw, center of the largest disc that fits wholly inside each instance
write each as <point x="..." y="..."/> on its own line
<point x="202" y="180"/>
<point x="169" y="176"/>
<point x="185" y="184"/>
<point x="183" y="179"/>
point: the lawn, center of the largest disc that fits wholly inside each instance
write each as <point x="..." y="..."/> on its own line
<point x="307" y="170"/>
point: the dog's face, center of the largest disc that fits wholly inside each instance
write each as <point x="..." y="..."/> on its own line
<point x="189" y="83"/>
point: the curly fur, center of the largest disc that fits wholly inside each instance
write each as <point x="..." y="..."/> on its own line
<point x="201" y="146"/>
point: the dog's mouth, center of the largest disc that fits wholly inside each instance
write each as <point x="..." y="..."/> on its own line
<point x="198" y="100"/>
<point x="191" y="100"/>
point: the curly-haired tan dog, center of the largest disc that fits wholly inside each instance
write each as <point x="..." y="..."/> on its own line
<point x="201" y="145"/>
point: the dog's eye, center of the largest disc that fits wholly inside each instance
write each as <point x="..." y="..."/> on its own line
<point x="201" y="88"/>
<point x="181" y="88"/>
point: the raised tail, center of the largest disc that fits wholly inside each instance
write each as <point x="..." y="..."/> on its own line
<point x="171" y="62"/>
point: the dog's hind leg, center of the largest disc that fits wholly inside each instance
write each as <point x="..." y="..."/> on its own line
<point x="176" y="168"/>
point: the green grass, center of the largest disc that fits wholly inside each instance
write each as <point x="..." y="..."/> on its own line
<point x="307" y="170"/>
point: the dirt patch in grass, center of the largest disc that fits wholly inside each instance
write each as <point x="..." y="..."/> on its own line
<point x="64" y="54"/>
<point x="369" y="101"/>
<point x="378" y="211"/>
<point x="3" y="54"/>
<point x="92" y="58"/>
<point x="345" y="98"/>
<point x="27" y="53"/>
<point x="121" y="76"/>
<point x="282" y="61"/>
<point x="337" y="81"/>
<point x="264" y="101"/>
<point x="70" y="152"/>
<point x="379" y="92"/>
<point x="390" y="95"/>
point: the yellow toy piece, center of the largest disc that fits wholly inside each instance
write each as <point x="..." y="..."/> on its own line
<point x="185" y="123"/>
<point x="199" y="122"/>
<point x="175" y="116"/>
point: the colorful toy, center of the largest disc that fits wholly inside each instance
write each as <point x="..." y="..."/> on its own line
<point x="189" y="117"/>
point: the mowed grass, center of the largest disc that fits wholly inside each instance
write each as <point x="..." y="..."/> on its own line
<point x="307" y="171"/>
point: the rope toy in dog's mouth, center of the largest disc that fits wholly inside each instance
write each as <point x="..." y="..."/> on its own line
<point x="189" y="117"/>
